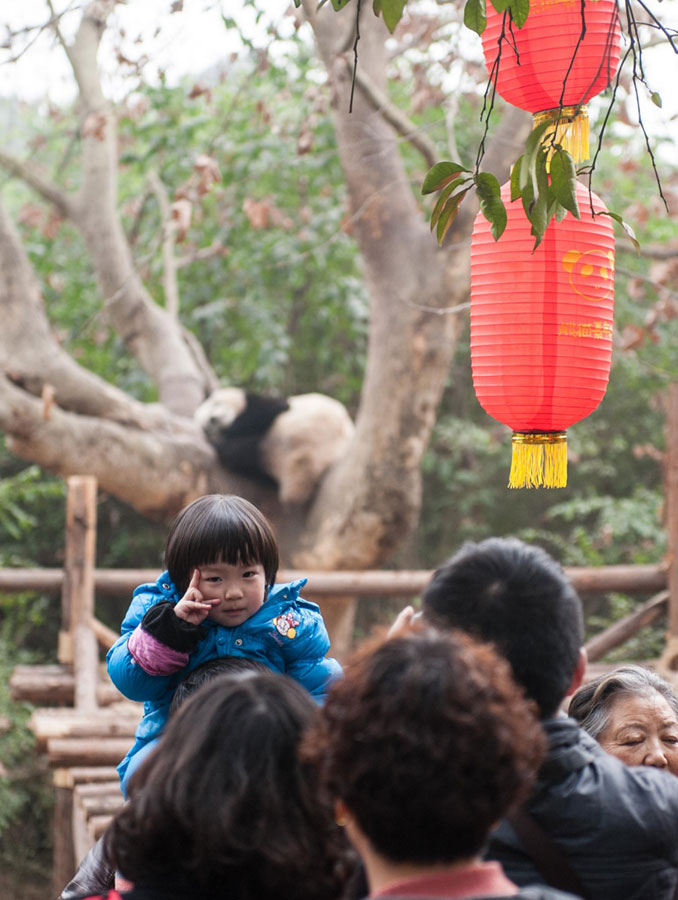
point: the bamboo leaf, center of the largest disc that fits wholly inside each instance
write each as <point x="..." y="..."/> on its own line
<point x="392" y="11"/>
<point x="442" y="200"/>
<point x="491" y="204"/>
<point x="520" y="10"/>
<point x="440" y="175"/>
<point x="564" y="181"/>
<point x="475" y="17"/>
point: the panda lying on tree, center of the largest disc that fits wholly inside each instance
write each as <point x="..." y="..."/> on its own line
<point x="288" y="444"/>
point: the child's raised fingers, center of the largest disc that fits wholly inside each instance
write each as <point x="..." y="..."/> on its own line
<point x="195" y="579"/>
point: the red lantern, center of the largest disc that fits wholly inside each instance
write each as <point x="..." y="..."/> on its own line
<point x="548" y="68"/>
<point x="541" y="330"/>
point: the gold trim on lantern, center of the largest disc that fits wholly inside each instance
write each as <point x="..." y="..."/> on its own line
<point x="570" y="130"/>
<point x="539" y="460"/>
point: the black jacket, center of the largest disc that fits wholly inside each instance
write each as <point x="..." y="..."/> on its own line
<point x="617" y="825"/>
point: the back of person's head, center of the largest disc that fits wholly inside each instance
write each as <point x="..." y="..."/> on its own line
<point x="225" y="805"/>
<point x="591" y="706"/>
<point x="518" y="597"/>
<point x="213" y="668"/>
<point x="427" y="741"/>
<point x="220" y="528"/>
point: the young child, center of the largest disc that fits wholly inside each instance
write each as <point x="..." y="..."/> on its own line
<point x="217" y="598"/>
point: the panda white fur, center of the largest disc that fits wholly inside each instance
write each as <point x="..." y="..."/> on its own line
<point x="288" y="444"/>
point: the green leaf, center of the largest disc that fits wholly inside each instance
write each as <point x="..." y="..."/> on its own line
<point x="630" y="233"/>
<point x="539" y="219"/>
<point x="561" y="212"/>
<point x="376" y="7"/>
<point x="491" y="204"/>
<point x="515" y="179"/>
<point x="475" y="17"/>
<point x="656" y="99"/>
<point x="442" y="200"/>
<point x="520" y="10"/>
<point x="449" y="214"/>
<point x="541" y="173"/>
<point x="501" y="5"/>
<point x="527" y="198"/>
<point x="392" y="11"/>
<point x="440" y="175"/>
<point x="532" y="148"/>
<point x="564" y="181"/>
<point x="338" y="5"/>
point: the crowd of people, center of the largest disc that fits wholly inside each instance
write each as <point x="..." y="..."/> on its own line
<point x="439" y="763"/>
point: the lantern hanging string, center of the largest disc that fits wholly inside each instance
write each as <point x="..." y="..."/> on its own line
<point x="539" y="460"/>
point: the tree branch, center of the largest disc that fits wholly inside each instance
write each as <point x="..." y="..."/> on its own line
<point x="169" y="267"/>
<point x="30" y="175"/>
<point x="395" y="117"/>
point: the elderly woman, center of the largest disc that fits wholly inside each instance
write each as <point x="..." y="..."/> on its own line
<point x="633" y="714"/>
<point x="424" y="745"/>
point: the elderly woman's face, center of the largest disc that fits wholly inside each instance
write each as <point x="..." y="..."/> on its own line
<point x="643" y="731"/>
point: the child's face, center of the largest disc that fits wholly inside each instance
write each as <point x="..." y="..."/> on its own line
<point x="240" y="590"/>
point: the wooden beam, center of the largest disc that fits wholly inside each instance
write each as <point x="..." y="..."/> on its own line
<point x="78" y="589"/>
<point x="52" y="685"/>
<point x="64" y="723"/>
<point x="630" y="579"/>
<point x="620" y="632"/>
<point x="67" y="752"/>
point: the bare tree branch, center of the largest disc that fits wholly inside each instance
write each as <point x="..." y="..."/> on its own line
<point x="169" y="268"/>
<point x="396" y="117"/>
<point x="30" y="175"/>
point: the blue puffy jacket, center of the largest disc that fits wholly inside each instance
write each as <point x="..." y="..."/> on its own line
<point x="287" y="633"/>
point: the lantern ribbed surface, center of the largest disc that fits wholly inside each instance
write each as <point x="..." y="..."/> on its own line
<point x="541" y="322"/>
<point x="532" y="78"/>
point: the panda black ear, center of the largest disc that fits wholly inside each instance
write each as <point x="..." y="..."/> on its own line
<point x="257" y="416"/>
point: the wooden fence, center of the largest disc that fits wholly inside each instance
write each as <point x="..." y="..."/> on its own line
<point x="85" y="726"/>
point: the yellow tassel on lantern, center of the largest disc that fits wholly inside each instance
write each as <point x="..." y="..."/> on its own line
<point x="539" y="460"/>
<point x="570" y="129"/>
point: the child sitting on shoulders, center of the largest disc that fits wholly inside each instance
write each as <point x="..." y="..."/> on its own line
<point x="217" y="598"/>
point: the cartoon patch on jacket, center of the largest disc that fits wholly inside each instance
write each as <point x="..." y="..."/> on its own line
<point x="286" y="623"/>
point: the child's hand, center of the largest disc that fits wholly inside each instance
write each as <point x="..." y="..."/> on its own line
<point x="193" y="607"/>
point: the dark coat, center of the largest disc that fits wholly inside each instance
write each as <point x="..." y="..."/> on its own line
<point x="617" y="825"/>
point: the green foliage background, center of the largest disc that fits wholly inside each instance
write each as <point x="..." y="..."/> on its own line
<point x="282" y="307"/>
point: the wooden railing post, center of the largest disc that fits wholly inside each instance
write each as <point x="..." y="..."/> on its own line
<point x="77" y="641"/>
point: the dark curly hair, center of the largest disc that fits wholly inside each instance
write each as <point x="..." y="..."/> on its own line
<point x="225" y="806"/>
<point x="428" y="742"/>
<point x="220" y="528"/>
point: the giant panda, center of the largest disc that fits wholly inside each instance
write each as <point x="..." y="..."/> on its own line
<point x="285" y="443"/>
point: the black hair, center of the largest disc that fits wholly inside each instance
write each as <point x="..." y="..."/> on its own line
<point x="517" y="596"/>
<point x="207" y="671"/>
<point x="225" y="806"/>
<point x="220" y="528"/>
<point x="428" y="742"/>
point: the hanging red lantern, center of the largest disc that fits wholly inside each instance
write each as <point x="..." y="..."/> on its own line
<point x="553" y="65"/>
<point x="541" y="330"/>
